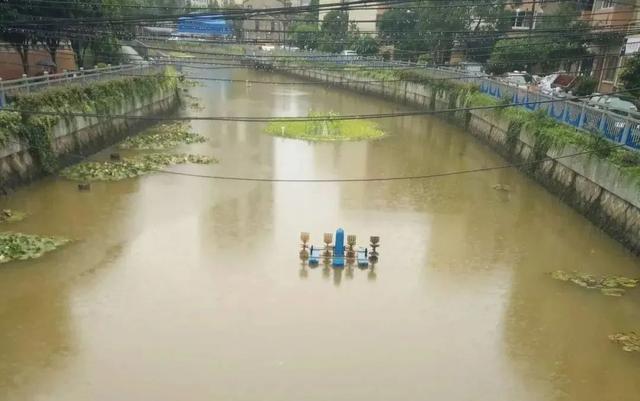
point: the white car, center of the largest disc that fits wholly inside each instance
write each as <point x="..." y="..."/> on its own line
<point x="515" y="78"/>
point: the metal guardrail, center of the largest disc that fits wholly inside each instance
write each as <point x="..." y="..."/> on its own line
<point x="15" y="87"/>
<point x="620" y="129"/>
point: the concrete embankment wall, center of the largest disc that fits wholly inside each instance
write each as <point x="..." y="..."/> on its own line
<point x="75" y="136"/>
<point x="595" y="187"/>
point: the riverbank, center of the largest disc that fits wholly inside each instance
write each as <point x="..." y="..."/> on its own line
<point x="577" y="171"/>
<point x="33" y="145"/>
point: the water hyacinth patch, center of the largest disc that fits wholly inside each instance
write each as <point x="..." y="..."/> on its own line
<point x="10" y="216"/>
<point x="129" y="167"/>
<point x="630" y="341"/>
<point x="163" y="136"/>
<point x="195" y="106"/>
<point x="17" y="246"/>
<point x="325" y="128"/>
<point x="611" y="286"/>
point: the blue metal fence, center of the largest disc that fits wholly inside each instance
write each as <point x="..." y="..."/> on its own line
<point x="620" y="129"/>
<point x="624" y="130"/>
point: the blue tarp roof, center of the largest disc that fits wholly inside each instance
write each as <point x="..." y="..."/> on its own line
<point x="204" y="25"/>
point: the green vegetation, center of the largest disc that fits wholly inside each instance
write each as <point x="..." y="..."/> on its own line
<point x="413" y="30"/>
<point x="546" y="49"/>
<point x="17" y="246"/>
<point x="630" y="75"/>
<point x="325" y="128"/>
<point x="129" y="167"/>
<point x="102" y="45"/>
<point x="630" y="341"/>
<point x="584" y="86"/>
<point x="163" y="136"/>
<point x="10" y="216"/>
<point x="612" y="286"/>
<point x="551" y="134"/>
<point x="101" y="98"/>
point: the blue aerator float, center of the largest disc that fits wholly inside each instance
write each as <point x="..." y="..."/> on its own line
<point x="336" y="253"/>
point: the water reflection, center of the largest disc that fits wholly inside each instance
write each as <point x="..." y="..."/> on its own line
<point x="182" y="287"/>
<point x="336" y="275"/>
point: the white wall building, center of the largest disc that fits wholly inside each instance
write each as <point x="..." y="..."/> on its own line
<point x="198" y="3"/>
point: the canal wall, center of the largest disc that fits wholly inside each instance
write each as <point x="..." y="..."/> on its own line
<point x="35" y="146"/>
<point x="595" y="187"/>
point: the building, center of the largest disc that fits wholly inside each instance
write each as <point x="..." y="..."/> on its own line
<point x="606" y="16"/>
<point x="198" y="3"/>
<point x="264" y="28"/>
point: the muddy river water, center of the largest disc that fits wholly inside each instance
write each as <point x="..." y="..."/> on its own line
<point x="184" y="288"/>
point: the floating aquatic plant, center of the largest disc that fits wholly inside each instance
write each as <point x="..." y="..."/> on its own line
<point x="325" y="127"/>
<point x="630" y="341"/>
<point x="196" y="106"/>
<point x="612" y="286"/>
<point x="17" y="246"/>
<point x="129" y="167"/>
<point x="163" y="136"/>
<point x="10" y="216"/>
<point x="501" y="187"/>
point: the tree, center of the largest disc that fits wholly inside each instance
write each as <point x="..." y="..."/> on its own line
<point x="546" y="50"/>
<point x="488" y="21"/>
<point x="334" y="31"/>
<point x="440" y="29"/>
<point x="630" y="75"/>
<point x="314" y="14"/>
<point x="427" y="29"/>
<point x="365" y="45"/>
<point x="514" y="54"/>
<point x="305" y="35"/>
<point x="19" y="39"/>
<point x="398" y="25"/>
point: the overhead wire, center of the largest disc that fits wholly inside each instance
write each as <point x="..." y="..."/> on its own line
<point x="307" y="118"/>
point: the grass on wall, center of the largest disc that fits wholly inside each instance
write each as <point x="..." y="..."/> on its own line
<point x="99" y="97"/>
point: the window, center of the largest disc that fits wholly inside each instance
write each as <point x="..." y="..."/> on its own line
<point x="257" y="25"/>
<point x="610" y="68"/>
<point x="273" y="26"/>
<point x="522" y="19"/>
<point x="607" y="3"/>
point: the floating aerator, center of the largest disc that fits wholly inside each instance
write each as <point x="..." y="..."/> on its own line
<point x="336" y="253"/>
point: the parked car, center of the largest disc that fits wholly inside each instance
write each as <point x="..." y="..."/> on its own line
<point x="471" y="69"/>
<point x="515" y="78"/>
<point x="349" y="53"/>
<point x="613" y="104"/>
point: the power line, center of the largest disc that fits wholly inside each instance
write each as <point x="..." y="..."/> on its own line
<point x="352" y="180"/>
<point x="380" y="179"/>
<point x="297" y="119"/>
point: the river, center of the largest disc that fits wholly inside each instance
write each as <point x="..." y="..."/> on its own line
<point x="185" y="288"/>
